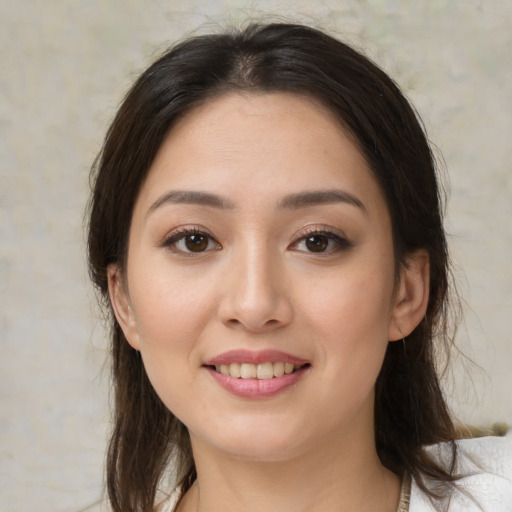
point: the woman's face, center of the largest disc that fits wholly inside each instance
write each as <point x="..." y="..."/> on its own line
<point x="260" y="244"/>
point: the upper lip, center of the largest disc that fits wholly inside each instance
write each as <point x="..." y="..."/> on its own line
<point x="254" y="357"/>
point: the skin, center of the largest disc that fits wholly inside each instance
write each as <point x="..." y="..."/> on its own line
<point x="258" y="285"/>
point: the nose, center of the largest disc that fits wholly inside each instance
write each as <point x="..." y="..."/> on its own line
<point x="256" y="296"/>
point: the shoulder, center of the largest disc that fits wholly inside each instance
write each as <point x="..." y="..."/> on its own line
<point x="485" y="464"/>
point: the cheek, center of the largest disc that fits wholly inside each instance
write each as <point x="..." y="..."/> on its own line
<point x="355" y="302"/>
<point x="170" y="314"/>
<point x="351" y="324"/>
<point x="170" y="308"/>
<point x="350" y="318"/>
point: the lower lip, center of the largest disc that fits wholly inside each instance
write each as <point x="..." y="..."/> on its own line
<point x="257" y="388"/>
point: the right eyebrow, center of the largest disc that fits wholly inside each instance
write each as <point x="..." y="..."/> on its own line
<point x="192" y="197"/>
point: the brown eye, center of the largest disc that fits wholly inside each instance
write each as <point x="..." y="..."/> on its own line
<point x="190" y="241"/>
<point x="321" y="242"/>
<point x="317" y="243"/>
<point x="196" y="243"/>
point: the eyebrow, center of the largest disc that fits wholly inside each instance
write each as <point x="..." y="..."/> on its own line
<point x="289" y="202"/>
<point x="319" y="197"/>
<point x="192" y="197"/>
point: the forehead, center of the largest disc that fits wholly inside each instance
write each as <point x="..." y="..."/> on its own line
<point x="270" y="144"/>
<point x="238" y="118"/>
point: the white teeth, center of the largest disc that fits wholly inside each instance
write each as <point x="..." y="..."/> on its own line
<point x="234" y="370"/>
<point x="263" y="371"/>
<point x="248" y="371"/>
<point x="278" y="369"/>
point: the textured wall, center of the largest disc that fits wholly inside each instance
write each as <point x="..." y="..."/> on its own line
<point x="64" y="66"/>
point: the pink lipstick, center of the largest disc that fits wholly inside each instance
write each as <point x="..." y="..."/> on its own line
<point x="261" y="374"/>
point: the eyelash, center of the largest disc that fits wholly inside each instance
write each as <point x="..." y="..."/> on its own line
<point x="309" y="233"/>
<point x="182" y="233"/>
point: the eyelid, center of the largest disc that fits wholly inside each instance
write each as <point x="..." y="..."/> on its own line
<point x="171" y="239"/>
<point x="322" y="230"/>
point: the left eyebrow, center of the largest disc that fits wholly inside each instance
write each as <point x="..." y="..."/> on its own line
<point x="319" y="197"/>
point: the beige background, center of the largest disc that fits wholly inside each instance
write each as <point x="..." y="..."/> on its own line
<point x="64" y="66"/>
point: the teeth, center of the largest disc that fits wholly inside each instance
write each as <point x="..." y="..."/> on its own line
<point x="278" y="369"/>
<point x="263" y="371"/>
<point x="248" y="371"/>
<point x="234" y="370"/>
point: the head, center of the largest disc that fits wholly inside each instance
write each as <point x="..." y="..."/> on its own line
<point x="306" y="65"/>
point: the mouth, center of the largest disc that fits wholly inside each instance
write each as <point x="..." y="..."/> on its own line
<point x="262" y="371"/>
<point x="257" y="374"/>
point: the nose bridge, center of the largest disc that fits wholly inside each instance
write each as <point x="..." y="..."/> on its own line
<point x="256" y="297"/>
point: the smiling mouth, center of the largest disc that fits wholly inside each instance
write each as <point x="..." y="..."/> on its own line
<point x="262" y="371"/>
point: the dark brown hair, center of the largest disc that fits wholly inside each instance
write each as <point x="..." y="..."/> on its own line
<point x="410" y="411"/>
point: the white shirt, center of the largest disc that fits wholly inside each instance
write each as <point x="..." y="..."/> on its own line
<point x="487" y="462"/>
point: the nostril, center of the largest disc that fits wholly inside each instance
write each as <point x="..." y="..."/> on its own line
<point x="272" y="323"/>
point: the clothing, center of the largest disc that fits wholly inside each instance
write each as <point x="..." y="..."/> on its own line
<point x="487" y="486"/>
<point x="405" y="495"/>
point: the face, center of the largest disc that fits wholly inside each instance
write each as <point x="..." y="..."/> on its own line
<point x="260" y="280"/>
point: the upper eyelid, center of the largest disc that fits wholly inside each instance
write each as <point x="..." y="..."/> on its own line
<point x="171" y="238"/>
<point x="184" y="230"/>
<point x="320" y="230"/>
<point x="329" y="232"/>
<point x="315" y="229"/>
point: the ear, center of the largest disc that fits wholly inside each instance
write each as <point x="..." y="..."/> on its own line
<point x="120" y="300"/>
<point x="411" y="298"/>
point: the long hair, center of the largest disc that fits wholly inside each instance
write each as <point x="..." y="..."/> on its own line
<point x="410" y="410"/>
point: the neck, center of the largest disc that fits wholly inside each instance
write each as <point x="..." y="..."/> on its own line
<point x="330" y="477"/>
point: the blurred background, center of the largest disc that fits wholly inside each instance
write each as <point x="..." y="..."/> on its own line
<point x="64" y="67"/>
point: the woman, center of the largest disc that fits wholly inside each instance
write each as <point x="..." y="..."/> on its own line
<point x="266" y="230"/>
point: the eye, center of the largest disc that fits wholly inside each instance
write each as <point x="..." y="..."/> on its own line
<point x="317" y="243"/>
<point x="191" y="241"/>
<point x="320" y="241"/>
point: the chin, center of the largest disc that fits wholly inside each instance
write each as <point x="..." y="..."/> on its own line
<point x="256" y="442"/>
<point x="263" y="450"/>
